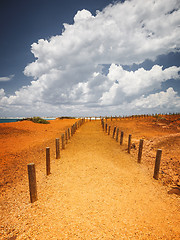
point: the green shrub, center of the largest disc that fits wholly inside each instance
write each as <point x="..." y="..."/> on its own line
<point x="36" y="120"/>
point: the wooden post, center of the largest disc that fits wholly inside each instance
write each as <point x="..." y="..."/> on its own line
<point x="140" y="150"/>
<point x="106" y="127"/>
<point x="32" y="182"/>
<point x="47" y="160"/>
<point x="111" y="118"/>
<point x="157" y="164"/>
<point x="114" y="131"/>
<point x="69" y="136"/>
<point x="129" y="143"/>
<point x="66" y="137"/>
<point x="71" y="131"/>
<point x="109" y="130"/>
<point x="121" y="139"/>
<point x="117" y="134"/>
<point x="57" y="148"/>
<point x="62" y="138"/>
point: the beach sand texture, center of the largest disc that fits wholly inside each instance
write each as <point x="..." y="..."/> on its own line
<point x="96" y="190"/>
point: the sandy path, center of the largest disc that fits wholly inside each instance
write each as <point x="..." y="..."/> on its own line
<point x="95" y="191"/>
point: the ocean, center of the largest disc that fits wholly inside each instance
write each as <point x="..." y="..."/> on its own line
<point x="8" y="120"/>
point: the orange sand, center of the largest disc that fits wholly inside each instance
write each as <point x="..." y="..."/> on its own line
<point x="96" y="190"/>
<point x="25" y="142"/>
<point x="162" y="133"/>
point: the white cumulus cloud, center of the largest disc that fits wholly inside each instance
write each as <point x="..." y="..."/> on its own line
<point x="164" y="100"/>
<point x="125" y="84"/>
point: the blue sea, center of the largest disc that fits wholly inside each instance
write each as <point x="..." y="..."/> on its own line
<point x="7" y="120"/>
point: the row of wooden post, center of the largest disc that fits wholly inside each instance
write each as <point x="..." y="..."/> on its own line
<point x="116" y="132"/>
<point x="31" y="166"/>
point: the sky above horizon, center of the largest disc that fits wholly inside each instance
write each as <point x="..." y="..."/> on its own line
<point x="87" y="58"/>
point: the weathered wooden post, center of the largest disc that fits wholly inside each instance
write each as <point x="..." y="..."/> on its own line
<point x="129" y="144"/>
<point x="47" y="160"/>
<point x="140" y="150"/>
<point x="62" y="138"/>
<point x="103" y="124"/>
<point x="71" y="131"/>
<point x="157" y="164"/>
<point x="106" y="127"/>
<point x="121" y="139"/>
<point x="69" y="136"/>
<point x="114" y="131"/>
<point x="111" y="118"/>
<point x="74" y="129"/>
<point x="117" y="134"/>
<point x="66" y="137"/>
<point x="109" y="129"/>
<point x="57" y="148"/>
<point x="32" y="182"/>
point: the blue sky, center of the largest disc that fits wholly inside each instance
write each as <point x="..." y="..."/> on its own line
<point x="24" y="22"/>
<point x="88" y="57"/>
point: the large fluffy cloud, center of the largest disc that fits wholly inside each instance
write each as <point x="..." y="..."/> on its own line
<point x="122" y="33"/>
<point x="68" y="70"/>
<point x="161" y="100"/>
<point x="127" y="85"/>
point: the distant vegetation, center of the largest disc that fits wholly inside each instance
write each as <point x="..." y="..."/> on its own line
<point x="66" y="117"/>
<point x="36" y="120"/>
